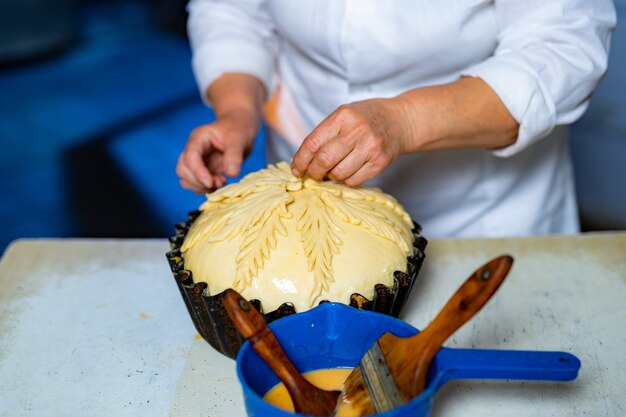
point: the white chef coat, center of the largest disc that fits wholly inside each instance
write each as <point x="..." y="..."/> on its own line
<point x="542" y="57"/>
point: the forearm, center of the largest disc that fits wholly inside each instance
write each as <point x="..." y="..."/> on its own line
<point x="240" y="94"/>
<point x="359" y="140"/>
<point x="463" y="114"/>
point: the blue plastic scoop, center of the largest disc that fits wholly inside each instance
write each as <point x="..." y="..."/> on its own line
<point x="335" y="336"/>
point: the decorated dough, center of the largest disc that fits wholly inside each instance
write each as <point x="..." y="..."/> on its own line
<point x="278" y="238"/>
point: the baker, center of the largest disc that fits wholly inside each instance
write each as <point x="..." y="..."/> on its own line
<point x="457" y="108"/>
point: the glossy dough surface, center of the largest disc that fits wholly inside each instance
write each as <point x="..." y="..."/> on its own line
<point x="279" y="238"/>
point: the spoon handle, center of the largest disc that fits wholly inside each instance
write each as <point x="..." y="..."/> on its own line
<point x="306" y="397"/>
<point x="253" y="327"/>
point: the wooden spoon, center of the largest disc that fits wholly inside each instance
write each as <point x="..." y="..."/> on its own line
<point x="306" y="397"/>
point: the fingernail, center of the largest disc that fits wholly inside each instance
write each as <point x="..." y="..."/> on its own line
<point x="232" y="170"/>
<point x="296" y="172"/>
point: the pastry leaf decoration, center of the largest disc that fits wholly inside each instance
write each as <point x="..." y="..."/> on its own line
<point x="259" y="233"/>
<point x="362" y="213"/>
<point x="245" y="213"/>
<point x="256" y="210"/>
<point x="320" y="237"/>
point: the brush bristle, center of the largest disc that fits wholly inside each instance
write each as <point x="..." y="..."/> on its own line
<point x="355" y="395"/>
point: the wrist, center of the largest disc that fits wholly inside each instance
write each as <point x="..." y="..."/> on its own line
<point x="422" y="113"/>
<point x="243" y="119"/>
<point x="238" y="97"/>
<point x="399" y="117"/>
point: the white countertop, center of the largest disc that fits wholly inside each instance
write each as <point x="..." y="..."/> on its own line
<point x="98" y="327"/>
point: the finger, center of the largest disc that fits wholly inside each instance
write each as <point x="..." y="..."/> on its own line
<point x="182" y="171"/>
<point x="214" y="162"/>
<point x="193" y="160"/>
<point x="328" y="129"/>
<point x="329" y="156"/>
<point x="189" y="186"/>
<point x="366" y="172"/>
<point x="185" y="174"/>
<point x="233" y="157"/>
<point x="348" y="166"/>
<point x="220" y="180"/>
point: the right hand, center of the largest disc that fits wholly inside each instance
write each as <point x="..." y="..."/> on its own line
<point x="216" y="150"/>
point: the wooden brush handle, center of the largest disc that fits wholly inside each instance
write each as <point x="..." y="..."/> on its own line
<point x="306" y="397"/>
<point x="468" y="299"/>
<point x="411" y="358"/>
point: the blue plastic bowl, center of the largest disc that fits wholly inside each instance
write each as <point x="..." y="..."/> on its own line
<point x="336" y="336"/>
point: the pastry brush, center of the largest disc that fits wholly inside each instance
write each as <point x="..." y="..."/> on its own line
<point x="394" y="370"/>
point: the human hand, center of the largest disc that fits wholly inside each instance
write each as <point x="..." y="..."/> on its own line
<point x="215" y="150"/>
<point x="354" y="143"/>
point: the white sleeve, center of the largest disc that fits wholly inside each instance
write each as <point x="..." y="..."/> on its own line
<point x="231" y="36"/>
<point x="551" y="54"/>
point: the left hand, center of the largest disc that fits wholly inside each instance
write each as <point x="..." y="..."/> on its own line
<point x="354" y="143"/>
